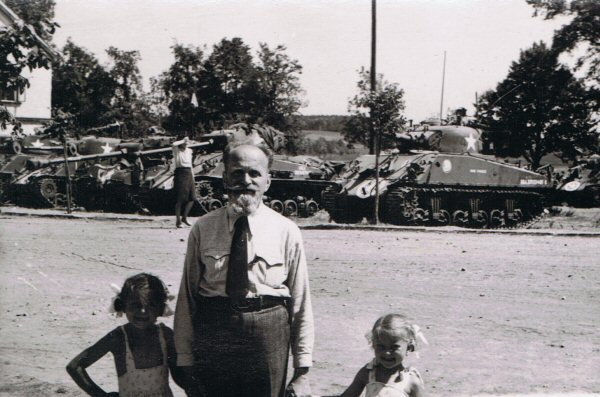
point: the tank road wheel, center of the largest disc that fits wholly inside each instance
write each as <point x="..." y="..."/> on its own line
<point x="15" y="147"/>
<point x="444" y="218"/>
<point x="482" y="219"/>
<point x="311" y="208"/>
<point x="460" y="218"/>
<point x="204" y="190"/>
<point x="518" y="216"/>
<point x="419" y="216"/>
<point x="48" y="189"/>
<point x="214" y="204"/>
<point x="72" y="149"/>
<point x="496" y="218"/>
<point x="290" y="208"/>
<point x="515" y="217"/>
<point x="276" y="206"/>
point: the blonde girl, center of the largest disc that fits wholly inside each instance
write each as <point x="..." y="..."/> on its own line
<point x="392" y="339"/>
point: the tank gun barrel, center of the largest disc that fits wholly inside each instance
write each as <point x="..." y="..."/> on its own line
<point x="44" y="163"/>
<point x="169" y="149"/>
<point x="122" y="151"/>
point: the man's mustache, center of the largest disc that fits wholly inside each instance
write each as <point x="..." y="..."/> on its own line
<point x="240" y="188"/>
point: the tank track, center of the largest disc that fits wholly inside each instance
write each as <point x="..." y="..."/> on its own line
<point x="344" y="209"/>
<point x="44" y="192"/>
<point x="210" y="196"/>
<point x="464" y="207"/>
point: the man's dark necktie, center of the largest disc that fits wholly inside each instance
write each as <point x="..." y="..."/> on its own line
<point x="237" y="283"/>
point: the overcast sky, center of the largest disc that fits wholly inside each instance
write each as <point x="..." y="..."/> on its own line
<point x="331" y="40"/>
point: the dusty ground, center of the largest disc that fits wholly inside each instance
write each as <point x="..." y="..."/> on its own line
<point x="504" y="313"/>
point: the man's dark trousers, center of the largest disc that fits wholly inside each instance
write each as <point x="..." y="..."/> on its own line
<point x="241" y="353"/>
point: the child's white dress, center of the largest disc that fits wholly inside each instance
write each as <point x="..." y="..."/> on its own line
<point x="397" y="386"/>
<point x="148" y="382"/>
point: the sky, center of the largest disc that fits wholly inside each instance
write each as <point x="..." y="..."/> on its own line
<point x="331" y="39"/>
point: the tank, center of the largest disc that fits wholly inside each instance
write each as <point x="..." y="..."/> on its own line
<point x="581" y="185"/>
<point x="438" y="177"/>
<point x="296" y="181"/>
<point x="296" y="184"/>
<point x="40" y="181"/>
<point x="136" y="182"/>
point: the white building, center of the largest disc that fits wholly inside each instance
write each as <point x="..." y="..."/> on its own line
<point x="32" y="107"/>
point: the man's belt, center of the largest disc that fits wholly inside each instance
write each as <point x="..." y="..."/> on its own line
<point x="244" y="305"/>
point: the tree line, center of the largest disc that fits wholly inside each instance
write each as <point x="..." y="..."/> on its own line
<point x="201" y="91"/>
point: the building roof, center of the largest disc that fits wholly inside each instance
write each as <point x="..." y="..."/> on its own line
<point x="15" y="20"/>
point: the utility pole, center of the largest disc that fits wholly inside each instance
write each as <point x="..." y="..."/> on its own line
<point x="375" y="133"/>
<point x="67" y="173"/>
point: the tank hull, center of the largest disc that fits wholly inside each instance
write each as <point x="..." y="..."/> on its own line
<point x="439" y="189"/>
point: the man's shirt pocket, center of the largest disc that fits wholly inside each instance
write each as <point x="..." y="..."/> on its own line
<point x="214" y="260"/>
<point x="269" y="269"/>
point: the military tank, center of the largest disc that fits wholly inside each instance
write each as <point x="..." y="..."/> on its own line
<point x="581" y="186"/>
<point x="296" y="181"/>
<point x="296" y="184"/>
<point x="40" y="181"/>
<point x="129" y="184"/>
<point x="438" y="176"/>
<point x="23" y="179"/>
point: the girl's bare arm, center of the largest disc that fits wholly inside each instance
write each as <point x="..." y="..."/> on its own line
<point x="77" y="367"/>
<point x="417" y="388"/>
<point x="358" y="384"/>
<point x="177" y="373"/>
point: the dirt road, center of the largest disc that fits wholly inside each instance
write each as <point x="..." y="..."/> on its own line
<point x="503" y="313"/>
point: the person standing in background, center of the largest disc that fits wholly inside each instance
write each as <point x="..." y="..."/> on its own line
<point x="185" y="192"/>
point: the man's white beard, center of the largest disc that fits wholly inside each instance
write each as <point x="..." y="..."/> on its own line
<point x="244" y="204"/>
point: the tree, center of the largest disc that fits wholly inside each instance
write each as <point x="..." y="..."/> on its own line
<point x="383" y="108"/>
<point x="278" y="91"/>
<point x="97" y="95"/>
<point x="227" y="84"/>
<point x="82" y="87"/>
<point x="539" y="108"/>
<point x="127" y="103"/>
<point x="582" y="30"/>
<point x="179" y="85"/>
<point x="19" y="50"/>
<point x="230" y="86"/>
<point x="37" y="13"/>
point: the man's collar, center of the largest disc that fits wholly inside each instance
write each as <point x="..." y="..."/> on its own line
<point x="252" y="218"/>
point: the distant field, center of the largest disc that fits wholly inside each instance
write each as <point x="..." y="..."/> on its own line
<point x="327" y="135"/>
<point x="333" y="136"/>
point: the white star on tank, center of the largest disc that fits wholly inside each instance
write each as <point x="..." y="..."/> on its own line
<point x="106" y="148"/>
<point x="471" y="142"/>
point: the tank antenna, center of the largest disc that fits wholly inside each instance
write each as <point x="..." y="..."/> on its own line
<point x="443" y="80"/>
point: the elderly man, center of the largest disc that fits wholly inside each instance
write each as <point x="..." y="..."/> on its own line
<point x="244" y="295"/>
